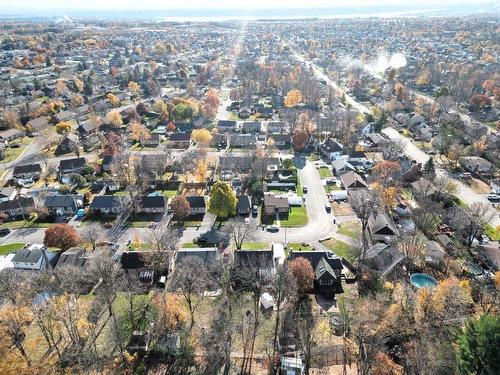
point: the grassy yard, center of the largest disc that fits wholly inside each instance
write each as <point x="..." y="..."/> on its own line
<point x="18" y="224"/>
<point x="254" y="246"/>
<point x="313" y="157"/>
<point x="169" y="193"/>
<point x="493" y="232"/>
<point x="299" y="191"/>
<point x="296" y="218"/>
<point x="325" y="172"/>
<point x="297" y="246"/>
<point x="350" y="228"/>
<point x="342" y="249"/>
<point x="10" y="248"/>
<point x="330" y="188"/>
<point x="139" y="246"/>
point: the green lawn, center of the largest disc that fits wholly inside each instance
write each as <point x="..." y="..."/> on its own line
<point x="188" y="223"/>
<point x="169" y="193"/>
<point x="142" y="246"/>
<point x="325" y="172"/>
<point x="493" y="233"/>
<point x="255" y="246"/>
<point x="189" y="245"/>
<point x="296" y="218"/>
<point x="350" y="228"/>
<point x="313" y="157"/>
<point x="300" y="193"/>
<point x="297" y="246"/>
<point x="330" y="188"/>
<point x="17" y="224"/>
<point x="10" y="248"/>
<point x="342" y="249"/>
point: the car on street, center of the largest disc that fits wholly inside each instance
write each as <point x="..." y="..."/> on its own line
<point x="4" y="232"/>
<point x="328" y="208"/>
<point x="493" y="197"/>
<point x="272" y="228"/>
<point x="304" y="189"/>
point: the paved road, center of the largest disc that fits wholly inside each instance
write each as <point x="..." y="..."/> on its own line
<point x="465" y="193"/>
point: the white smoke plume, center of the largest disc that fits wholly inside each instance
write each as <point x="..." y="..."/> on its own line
<point x="379" y="65"/>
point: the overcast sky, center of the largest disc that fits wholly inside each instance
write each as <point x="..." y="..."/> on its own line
<point x="62" y="5"/>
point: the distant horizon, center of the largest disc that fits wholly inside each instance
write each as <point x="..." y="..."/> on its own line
<point x="338" y="11"/>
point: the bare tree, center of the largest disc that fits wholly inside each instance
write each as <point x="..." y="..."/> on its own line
<point x="238" y="231"/>
<point x="190" y="279"/>
<point x="413" y="247"/>
<point x="164" y="242"/>
<point x="92" y="233"/>
<point x="392" y="149"/>
<point x="471" y="220"/>
<point x="365" y="204"/>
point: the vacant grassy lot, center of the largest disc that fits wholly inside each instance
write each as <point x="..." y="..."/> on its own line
<point x="325" y="172"/>
<point x="350" y="228"/>
<point x="342" y="249"/>
<point x="10" y="248"/>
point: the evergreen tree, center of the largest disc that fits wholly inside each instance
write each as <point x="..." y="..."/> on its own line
<point x="429" y="168"/>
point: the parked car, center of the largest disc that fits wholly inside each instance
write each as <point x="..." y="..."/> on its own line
<point x="25" y="182"/>
<point x="4" y="232"/>
<point x="272" y="228"/>
<point x="247" y="220"/>
<point x="304" y="189"/>
<point x="465" y="176"/>
<point x="14" y="145"/>
<point x="493" y="197"/>
<point x="328" y="208"/>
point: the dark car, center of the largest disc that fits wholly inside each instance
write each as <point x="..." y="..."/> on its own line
<point x="14" y="145"/>
<point x="4" y="232"/>
<point x="304" y="189"/>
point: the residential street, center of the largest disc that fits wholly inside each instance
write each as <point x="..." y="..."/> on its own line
<point x="466" y="194"/>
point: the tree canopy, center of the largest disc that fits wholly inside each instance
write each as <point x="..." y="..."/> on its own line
<point x="222" y="200"/>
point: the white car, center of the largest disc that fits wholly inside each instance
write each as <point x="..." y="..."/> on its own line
<point x="273" y="228"/>
<point x="25" y="182"/>
<point x="493" y="197"/>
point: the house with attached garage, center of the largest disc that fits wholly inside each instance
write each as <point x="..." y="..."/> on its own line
<point x="152" y="204"/>
<point x="70" y="166"/>
<point x="64" y="204"/>
<point x="282" y="141"/>
<point x="274" y="204"/>
<point x="11" y="134"/>
<point x="27" y="171"/>
<point x="331" y="149"/>
<point x="34" y="257"/>
<point x="224" y="126"/>
<point x="242" y="141"/>
<point x="20" y="206"/>
<point x="251" y="127"/>
<point x="198" y="204"/>
<point x="478" y="165"/>
<point x="37" y="124"/>
<point x="7" y="194"/>
<point x="180" y="140"/>
<point x="244" y="204"/>
<point x="108" y="205"/>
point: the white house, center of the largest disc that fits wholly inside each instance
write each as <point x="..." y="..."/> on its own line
<point x="33" y="257"/>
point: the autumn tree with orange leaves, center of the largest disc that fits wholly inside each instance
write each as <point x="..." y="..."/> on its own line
<point x="293" y="98"/>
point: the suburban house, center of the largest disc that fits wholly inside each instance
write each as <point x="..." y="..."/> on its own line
<point x="244" y="112"/>
<point x="7" y="194"/>
<point x="358" y="156"/>
<point x="74" y="257"/>
<point x="37" y="124"/>
<point x="274" y="204"/>
<point x="341" y="166"/>
<point x="63" y="204"/>
<point x="107" y="163"/>
<point x="382" y="228"/>
<point x="244" y="204"/>
<point x="331" y="149"/>
<point x="251" y="127"/>
<point x="10" y="134"/>
<point x="352" y="181"/>
<point x="264" y="262"/>
<point x="20" y="206"/>
<point x="153" y="141"/>
<point x="69" y="166"/>
<point x="34" y="257"/>
<point x="489" y="254"/>
<point x="198" y="204"/>
<point x="328" y="269"/>
<point x="226" y="126"/>
<point x="410" y="169"/>
<point x="282" y="141"/>
<point x="219" y="140"/>
<point x="434" y="253"/>
<point x="476" y="164"/>
<point x="107" y="205"/>
<point x="180" y="140"/>
<point x="235" y="163"/>
<point x="382" y="258"/>
<point x="243" y="141"/>
<point x="206" y="255"/>
<point x="68" y="144"/>
<point x="373" y="142"/>
<point x="152" y="204"/>
<point x="27" y="171"/>
<point x="135" y="268"/>
<point x="277" y="127"/>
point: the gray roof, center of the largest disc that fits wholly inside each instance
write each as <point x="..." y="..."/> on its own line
<point x="27" y="256"/>
<point x="54" y="201"/>
<point x="106" y="201"/>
